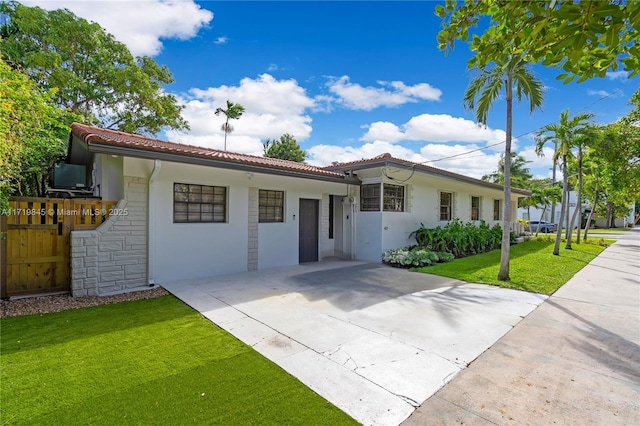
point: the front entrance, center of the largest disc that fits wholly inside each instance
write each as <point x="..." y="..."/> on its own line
<point x="308" y="231"/>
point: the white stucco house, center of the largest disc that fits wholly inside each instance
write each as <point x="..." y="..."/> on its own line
<point x="188" y="212"/>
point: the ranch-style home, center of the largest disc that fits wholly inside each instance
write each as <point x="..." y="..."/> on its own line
<point x="187" y="212"/>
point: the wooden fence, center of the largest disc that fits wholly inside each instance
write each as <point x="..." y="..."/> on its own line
<point x="36" y="241"/>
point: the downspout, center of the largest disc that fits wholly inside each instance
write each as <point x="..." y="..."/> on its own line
<point x="151" y="215"/>
<point x="353" y="231"/>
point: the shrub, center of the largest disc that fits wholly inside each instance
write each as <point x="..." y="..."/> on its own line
<point x="458" y="238"/>
<point x="444" y="257"/>
<point x="409" y="257"/>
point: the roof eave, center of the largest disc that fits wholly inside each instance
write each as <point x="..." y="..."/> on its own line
<point x="433" y="171"/>
<point x="108" y="149"/>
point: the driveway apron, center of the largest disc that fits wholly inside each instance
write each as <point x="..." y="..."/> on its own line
<point x="373" y="340"/>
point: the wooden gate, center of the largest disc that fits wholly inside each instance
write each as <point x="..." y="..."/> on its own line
<point x="36" y="248"/>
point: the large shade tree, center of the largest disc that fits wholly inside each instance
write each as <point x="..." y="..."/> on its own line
<point x="503" y="78"/>
<point x="584" y="38"/>
<point x="285" y="148"/>
<point x="95" y="76"/>
<point x="32" y="134"/>
<point x="565" y="135"/>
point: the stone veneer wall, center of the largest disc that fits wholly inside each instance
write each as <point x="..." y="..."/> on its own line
<point x="252" y="247"/>
<point x="113" y="257"/>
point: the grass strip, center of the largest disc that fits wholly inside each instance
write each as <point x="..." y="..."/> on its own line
<point x="596" y="231"/>
<point x="150" y="361"/>
<point x="533" y="267"/>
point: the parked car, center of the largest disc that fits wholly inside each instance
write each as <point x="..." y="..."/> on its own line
<point x="545" y="227"/>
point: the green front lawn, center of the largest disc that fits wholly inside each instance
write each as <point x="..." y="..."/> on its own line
<point x="146" y="362"/>
<point x="533" y="267"/>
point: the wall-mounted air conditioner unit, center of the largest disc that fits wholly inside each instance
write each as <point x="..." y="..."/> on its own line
<point x="69" y="176"/>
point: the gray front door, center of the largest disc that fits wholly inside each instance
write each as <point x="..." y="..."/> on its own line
<point x="308" y="225"/>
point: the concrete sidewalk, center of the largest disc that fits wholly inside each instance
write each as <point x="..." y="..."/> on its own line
<point x="574" y="360"/>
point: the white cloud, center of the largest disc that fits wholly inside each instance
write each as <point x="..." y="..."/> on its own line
<point x="272" y="67"/>
<point x="357" y="97"/>
<point x="434" y="128"/>
<point x="272" y="108"/>
<point x="139" y="24"/>
<point x="617" y="75"/>
<point x="323" y="155"/>
<point x="473" y="165"/>
<point x="604" y="93"/>
<point x="221" y="40"/>
<point x="434" y="131"/>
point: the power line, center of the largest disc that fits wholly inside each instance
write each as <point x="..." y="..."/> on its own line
<point x="529" y="132"/>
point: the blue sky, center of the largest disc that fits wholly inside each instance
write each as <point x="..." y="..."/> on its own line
<point x="349" y="80"/>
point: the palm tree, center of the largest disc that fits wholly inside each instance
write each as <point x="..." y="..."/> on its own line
<point x="534" y="200"/>
<point x="233" y="111"/>
<point x="582" y="142"/>
<point x="593" y="165"/>
<point x="550" y="195"/>
<point x="564" y="135"/>
<point x="511" y="75"/>
<point x="520" y="175"/>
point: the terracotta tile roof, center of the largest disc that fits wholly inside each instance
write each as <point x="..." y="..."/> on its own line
<point x="386" y="158"/>
<point x="98" y="136"/>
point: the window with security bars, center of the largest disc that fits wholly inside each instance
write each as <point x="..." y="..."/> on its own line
<point x="370" y="197"/>
<point x="270" y="206"/>
<point x="446" y="205"/>
<point x="475" y="208"/>
<point x="393" y="198"/>
<point x="199" y="203"/>
<point x="496" y="209"/>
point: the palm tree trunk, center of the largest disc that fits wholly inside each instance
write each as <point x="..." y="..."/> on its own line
<point x="578" y="211"/>
<point x="565" y="202"/>
<point x="226" y="131"/>
<point x="569" y="233"/>
<point x="503" y="274"/>
<point x="544" y="210"/>
<point x="571" y="225"/>
<point x="553" y="180"/>
<point x="567" y="213"/>
<point x="593" y="207"/>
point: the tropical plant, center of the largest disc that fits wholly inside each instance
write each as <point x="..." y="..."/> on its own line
<point x="520" y="174"/>
<point x="233" y="111"/>
<point x="286" y="148"/>
<point x="508" y="75"/>
<point x="564" y="134"/>
<point x="94" y="75"/>
<point x="458" y="238"/>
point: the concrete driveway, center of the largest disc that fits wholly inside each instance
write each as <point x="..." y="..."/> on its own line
<point x="375" y="341"/>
